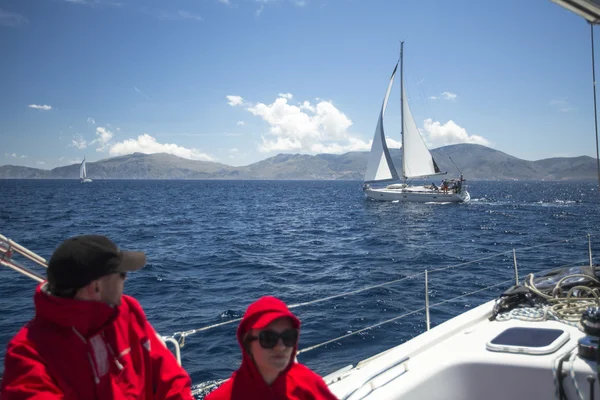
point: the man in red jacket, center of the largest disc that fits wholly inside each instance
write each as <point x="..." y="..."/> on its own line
<point x="88" y="340"/>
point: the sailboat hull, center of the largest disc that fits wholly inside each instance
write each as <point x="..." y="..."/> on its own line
<point x="86" y="180"/>
<point x="416" y="194"/>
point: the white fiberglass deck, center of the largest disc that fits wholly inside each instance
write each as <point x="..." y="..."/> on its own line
<point x="451" y="362"/>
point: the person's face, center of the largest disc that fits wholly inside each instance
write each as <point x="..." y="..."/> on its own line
<point x="274" y="360"/>
<point x="111" y="288"/>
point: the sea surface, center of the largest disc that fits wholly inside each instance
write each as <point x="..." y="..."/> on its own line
<point x="213" y="247"/>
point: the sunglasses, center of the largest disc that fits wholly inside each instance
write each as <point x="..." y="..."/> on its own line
<point x="269" y="339"/>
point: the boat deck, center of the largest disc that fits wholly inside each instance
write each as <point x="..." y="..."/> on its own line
<point x="451" y="361"/>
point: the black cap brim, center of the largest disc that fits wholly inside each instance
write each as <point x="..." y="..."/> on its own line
<point x="131" y="261"/>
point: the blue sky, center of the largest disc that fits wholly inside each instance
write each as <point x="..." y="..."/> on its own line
<point x="237" y="81"/>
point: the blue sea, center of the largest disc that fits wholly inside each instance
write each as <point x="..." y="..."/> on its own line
<point x="213" y="247"/>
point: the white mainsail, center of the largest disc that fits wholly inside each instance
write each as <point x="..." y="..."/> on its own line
<point x="82" y="172"/>
<point x="416" y="158"/>
<point x="417" y="161"/>
<point x="380" y="167"/>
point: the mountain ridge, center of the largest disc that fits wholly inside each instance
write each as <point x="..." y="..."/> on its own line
<point x="476" y="162"/>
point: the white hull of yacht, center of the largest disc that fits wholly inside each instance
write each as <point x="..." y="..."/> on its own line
<point x="416" y="194"/>
<point x="451" y="361"/>
<point x="86" y="180"/>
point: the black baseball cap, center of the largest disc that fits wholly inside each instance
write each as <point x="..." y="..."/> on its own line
<point x="83" y="259"/>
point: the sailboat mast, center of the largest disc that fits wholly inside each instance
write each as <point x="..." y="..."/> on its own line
<point x="402" y="106"/>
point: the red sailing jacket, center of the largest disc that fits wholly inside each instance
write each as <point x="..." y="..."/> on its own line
<point x="296" y="382"/>
<point x="76" y="349"/>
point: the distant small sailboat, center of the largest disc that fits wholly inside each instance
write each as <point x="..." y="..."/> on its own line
<point x="83" y="173"/>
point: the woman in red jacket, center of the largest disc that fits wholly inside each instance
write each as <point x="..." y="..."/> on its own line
<point x="268" y="336"/>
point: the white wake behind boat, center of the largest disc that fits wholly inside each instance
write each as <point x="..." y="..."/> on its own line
<point x="83" y="173"/>
<point x="417" y="161"/>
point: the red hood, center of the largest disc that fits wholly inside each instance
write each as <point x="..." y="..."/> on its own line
<point x="260" y="314"/>
<point x="296" y="382"/>
<point x="88" y="317"/>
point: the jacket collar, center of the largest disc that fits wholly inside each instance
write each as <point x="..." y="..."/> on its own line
<point x="87" y="317"/>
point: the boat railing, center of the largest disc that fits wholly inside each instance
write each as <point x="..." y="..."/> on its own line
<point x="425" y="274"/>
<point x="8" y="248"/>
<point x="509" y="254"/>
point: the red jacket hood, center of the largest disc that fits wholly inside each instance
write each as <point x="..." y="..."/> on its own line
<point x="296" y="382"/>
<point x="87" y="317"/>
<point x="258" y="315"/>
<point x="120" y="355"/>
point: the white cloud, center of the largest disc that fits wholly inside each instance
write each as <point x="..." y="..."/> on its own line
<point x="353" y="144"/>
<point x="142" y="93"/>
<point x="391" y="143"/>
<point x="182" y="14"/>
<point x="562" y="105"/>
<point x="234" y="154"/>
<point x="318" y="128"/>
<point x="95" y="2"/>
<point x="235" y="100"/>
<point x="240" y="123"/>
<point x="79" y="142"/>
<point x="449" y="96"/>
<point x="11" y="19"/>
<point x="103" y="137"/>
<point x="286" y="95"/>
<point x="91" y="120"/>
<point x="15" y="155"/>
<point x="40" y="107"/>
<point x="446" y="96"/>
<point x="299" y="3"/>
<point x="179" y="15"/>
<point x="40" y="163"/>
<point x="148" y="145"/>
<point x="437" y="134"/>
<point x="307" y="106"/>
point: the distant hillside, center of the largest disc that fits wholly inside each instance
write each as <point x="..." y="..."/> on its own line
<point x="13" y="171"/>
<point x="475" y="161"/>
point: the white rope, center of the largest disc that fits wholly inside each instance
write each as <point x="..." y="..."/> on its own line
<point x="572" y="373"/>
<point x="565" y="309"/>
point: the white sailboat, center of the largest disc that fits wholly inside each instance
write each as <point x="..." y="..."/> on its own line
<point x="83" y="173"/>
<point x="417" y="161"/>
